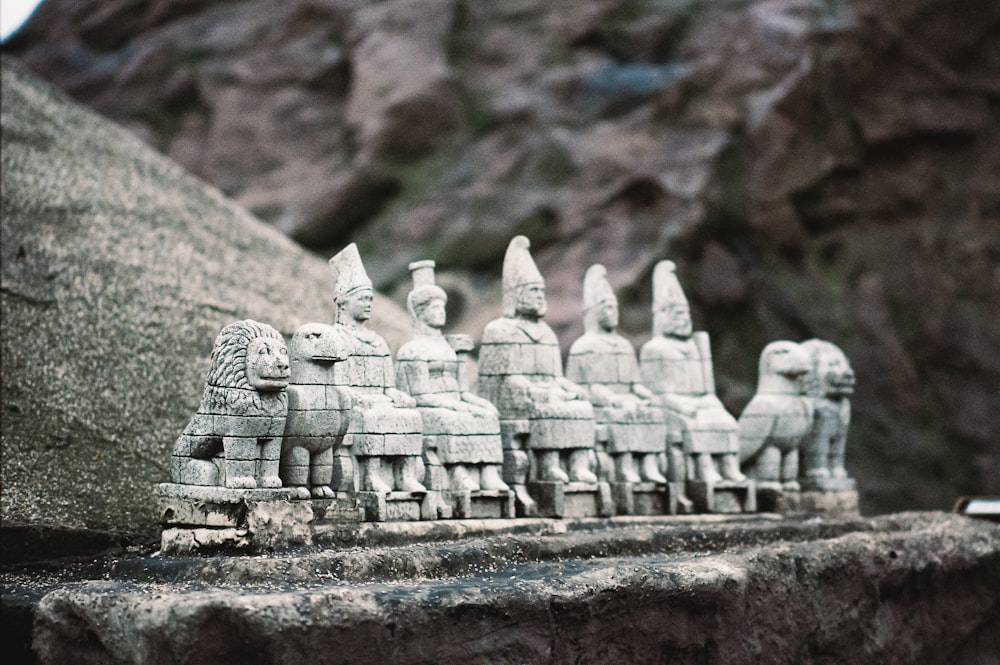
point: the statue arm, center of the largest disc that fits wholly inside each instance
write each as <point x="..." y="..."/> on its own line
<point x="602" y="396"/>
<point x="682" y="404"/>
<point x="573" y="390"/>
<point x="525" y="391"/>
<point x="476" y="400"/>
<point x="416" y="377"/>
<point x="642" y="391"/>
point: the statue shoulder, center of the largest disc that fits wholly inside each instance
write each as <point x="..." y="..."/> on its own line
<point x="586" y="343"/>
<point x="502" y="331"/>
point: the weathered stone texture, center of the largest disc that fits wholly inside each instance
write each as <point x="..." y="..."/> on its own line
<point x="118" y="271"/>
<point x="913" y="588"/>
<point x="815" y="168"/>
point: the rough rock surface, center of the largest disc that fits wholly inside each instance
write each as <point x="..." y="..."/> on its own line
<point x="818" y="168"/>
<point x="910" y="588"/>
<point x="118" y="271"/>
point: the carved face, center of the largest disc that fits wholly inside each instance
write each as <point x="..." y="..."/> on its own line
<point x="786" y="358"/>
<point x="267" y="364"/>
<point x="319" y="343"/>
<point x="835" y="372"/>
<point x="675" y="320"/>
<point x="358" y="305"/>
<point x="433" y="314"/>
<point x="607" y="315"/>
<point x="531" y="301"/>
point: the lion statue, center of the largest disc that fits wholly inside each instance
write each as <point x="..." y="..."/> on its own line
<point x="830" y="383"/>
<point x="234" y="440"/>
<point x="778" y="421"/>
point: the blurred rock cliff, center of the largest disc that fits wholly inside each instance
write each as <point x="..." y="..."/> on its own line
<point x="816" y="168"/>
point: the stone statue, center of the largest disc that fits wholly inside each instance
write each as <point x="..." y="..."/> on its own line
<point x="461" y="430"/>
<point x="676" y="364"/>
<point x="385" y="431"/>
<point x="778" y="421"/>
<point x="604" y="363"/>
<point x="234" y="439"/>
<point x="520" y="371"/>
<point x="830" y="382"/>
<point x="318" y="410"/>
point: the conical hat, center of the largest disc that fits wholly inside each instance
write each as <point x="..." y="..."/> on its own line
<point x="348" y="273"/>
<point x="666" y="287"/>
<point x="596" y="288"/>
<point x="519" y="269"/>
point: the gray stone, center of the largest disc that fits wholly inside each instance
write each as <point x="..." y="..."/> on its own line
<point x="384" y="434"/>
<point x="520" y="372"/>
<point x="916" y="587"/>
<point x="631" y="431"/>
<point x="118" y="271"/>
<point x="463" y="451"/>
<point x="778" y="422"/>
<point x="220" y="519"/>
<point x="676" y="365"/>
<point x="822" y="169"/>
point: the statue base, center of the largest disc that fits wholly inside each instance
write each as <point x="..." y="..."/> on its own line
<point x="644" y="498"/>
<point x="399" y="506"/>
<point x="556" y="499"/>
<point x="842" y="504"/>
<point x="828" y="484"/>
<point x="480" y="504"/>
<point x="341" y="507"/>
<point x="725" y="496"/>
<point x="211" y="519"/>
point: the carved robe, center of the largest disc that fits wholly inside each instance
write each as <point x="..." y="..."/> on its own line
<point x="519" y="362"/>
<point x="428" y="370"/>
<point x="378" y="427"/>
<point x="679" y="372"/>
<point x="608" y="360"/>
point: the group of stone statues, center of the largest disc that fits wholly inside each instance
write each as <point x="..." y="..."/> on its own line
<point x="333" y="419"/>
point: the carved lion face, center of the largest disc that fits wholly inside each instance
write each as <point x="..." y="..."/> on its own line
<point x="836" y="373"/>
<point x="267" y="364"/>
<point x="831" y="374"/>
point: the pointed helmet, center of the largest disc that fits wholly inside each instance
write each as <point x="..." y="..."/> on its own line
<point x="666" y="287"/>
<point x="348" y="273"/>
<point x="519" y="270"/>
<point x="596" y="291"/>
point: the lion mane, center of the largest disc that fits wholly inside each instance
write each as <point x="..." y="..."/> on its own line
<point x="227" y="390"/>
<point x="198" y="453"/>
<point x="815" y="383"/>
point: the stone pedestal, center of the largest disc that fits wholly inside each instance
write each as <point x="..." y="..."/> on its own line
<point x="555" y="499"/>
<point x="644" y="499"/>
<point x="205" y="519"/>
<point x="342" y="507"/>
<point x="725" y="496"/>
<point x="481" y="504"/>
<point x="399" y="506"/>
<point x="842" y="504"/>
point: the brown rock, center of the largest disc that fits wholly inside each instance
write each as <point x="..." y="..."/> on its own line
<point x="820" y="144"/>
